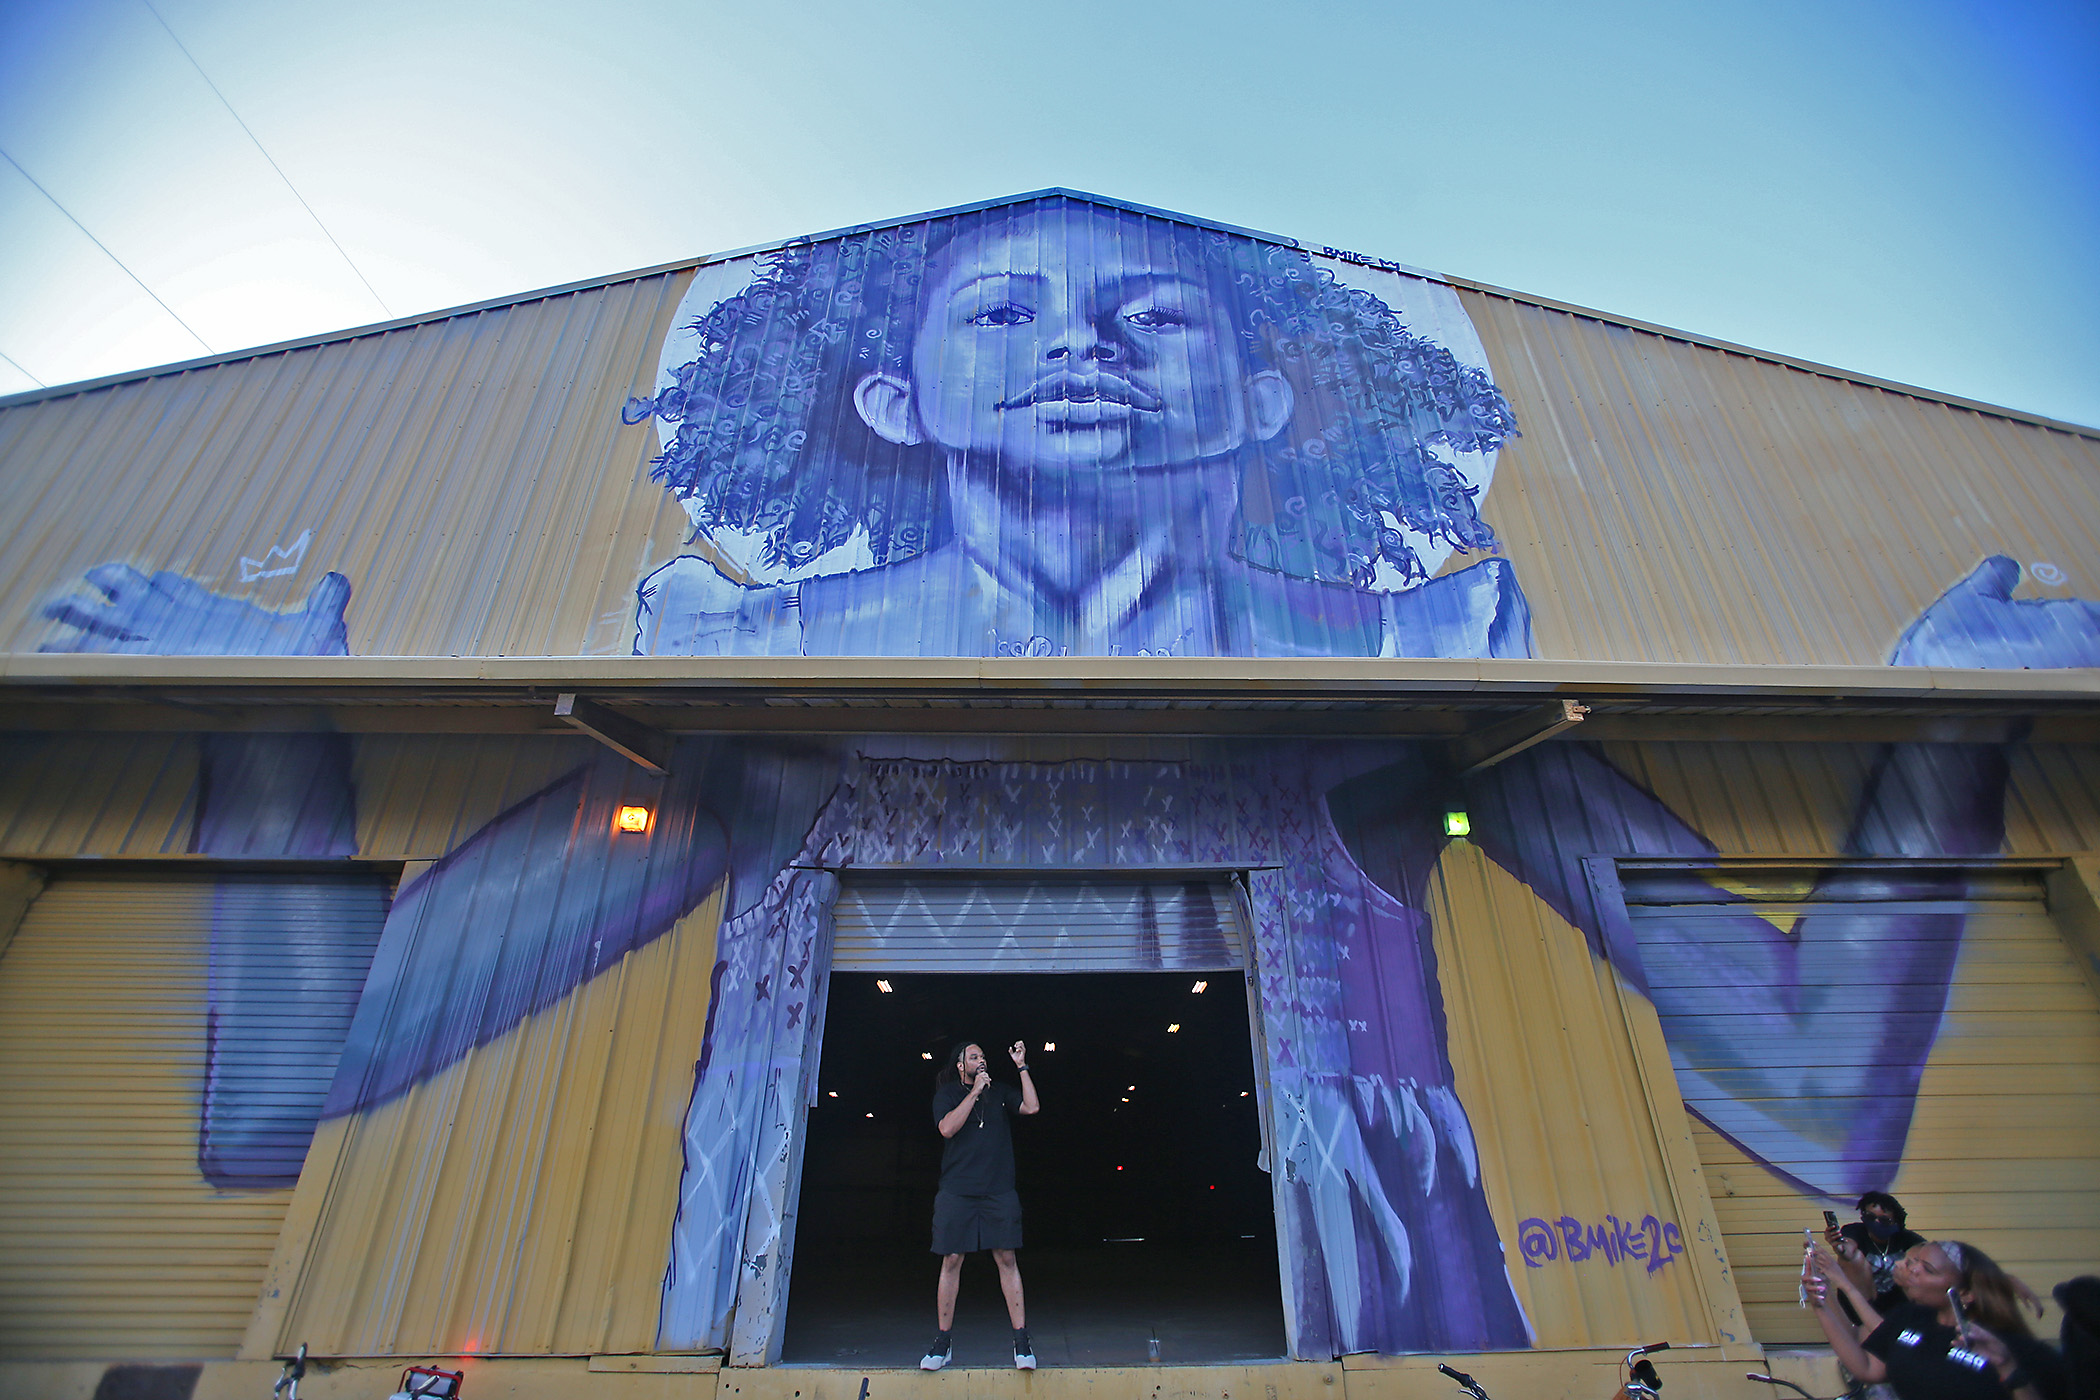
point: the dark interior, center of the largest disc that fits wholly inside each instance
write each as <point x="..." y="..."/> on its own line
<point x="1147" y="1217"/>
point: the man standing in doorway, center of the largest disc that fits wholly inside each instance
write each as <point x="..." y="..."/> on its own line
<point x="976" y="1207"/>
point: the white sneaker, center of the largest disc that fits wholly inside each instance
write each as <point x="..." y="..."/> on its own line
<point x="937" y="1355"/>
<point x="1024" y="1354"/>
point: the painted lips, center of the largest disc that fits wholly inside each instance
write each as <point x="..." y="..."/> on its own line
<point x="1065" y="387"/>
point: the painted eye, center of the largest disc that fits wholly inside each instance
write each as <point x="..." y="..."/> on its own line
<point x="1158" y="318"/>
<point x="1004" y="314"/>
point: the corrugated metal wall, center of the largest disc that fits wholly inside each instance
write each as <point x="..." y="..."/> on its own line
<point x="1688" y="504"/>
<point x="521" y="1199"/>
<point x="1547" y="1068"/>
<point x="2004" y="1147"/>
<point x="112" y="1240"/>
<point x="470" y="476"/>
<point x="97" y="794"/>
<point x="418" y="796"/>
<point x="1011" y="925"/>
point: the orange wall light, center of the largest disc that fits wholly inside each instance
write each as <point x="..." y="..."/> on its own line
<point x="632" y="819"/>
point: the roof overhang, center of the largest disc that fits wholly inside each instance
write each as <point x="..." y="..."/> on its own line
<point x="1388" y="698"/>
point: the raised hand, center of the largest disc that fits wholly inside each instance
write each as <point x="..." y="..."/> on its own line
<point x="166" y="614"/>
<point x="688" y="607"/>
<point x="1018" y="1053"/>
<point x="1987" y="1343"/>
<point x="1977" y="624"/>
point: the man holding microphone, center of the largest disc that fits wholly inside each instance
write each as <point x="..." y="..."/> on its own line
<point x="976" y="1207"/>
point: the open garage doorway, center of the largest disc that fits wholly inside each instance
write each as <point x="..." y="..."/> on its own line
<point x="1147" y="1213"/>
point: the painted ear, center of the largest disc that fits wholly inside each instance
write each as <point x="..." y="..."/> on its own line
<point x="884" y="404"/>
<point x="1269" y="404"/>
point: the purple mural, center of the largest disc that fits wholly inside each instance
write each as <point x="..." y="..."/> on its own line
<point x="1065" y="428"/>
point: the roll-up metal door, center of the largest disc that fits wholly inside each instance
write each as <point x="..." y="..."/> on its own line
<point x="1988" y="1143"/>
<point x="937" y="923"/>
<point x="165" y="1044"/>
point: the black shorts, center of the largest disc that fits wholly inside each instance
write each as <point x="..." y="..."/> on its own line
<point x="966" y="1224"/>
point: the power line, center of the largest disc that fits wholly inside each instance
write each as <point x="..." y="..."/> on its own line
<point x="23" y="372"/>
<point x="266" y="156"/>
<point x="106" y="253"/>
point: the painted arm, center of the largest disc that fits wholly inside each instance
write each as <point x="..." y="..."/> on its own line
<point x="167" y="614"/>
<point x="259" y="796"/>
<point x="544" y="898"/>
<point x="1737" y="994"/>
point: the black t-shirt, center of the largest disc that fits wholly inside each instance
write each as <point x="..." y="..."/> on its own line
<point x="1926" y="1361"/>
<point x="1882" y="1257"/>
<point x="979" y="1159"/>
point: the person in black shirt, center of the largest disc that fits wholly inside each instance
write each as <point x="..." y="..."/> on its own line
<point x="976" y="1207"/>
<point x="1870" y="1247"/>
<point x="1918" y="1348"/>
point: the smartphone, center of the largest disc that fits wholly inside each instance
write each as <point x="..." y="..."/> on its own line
<point x="1830" y="1220"/>
<point x="1961" y="1318"/>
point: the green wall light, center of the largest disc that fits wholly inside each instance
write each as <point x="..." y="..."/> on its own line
<point x="1456" y="824"/>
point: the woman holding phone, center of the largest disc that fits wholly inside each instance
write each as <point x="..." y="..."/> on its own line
<point x="1956" y="1334"/>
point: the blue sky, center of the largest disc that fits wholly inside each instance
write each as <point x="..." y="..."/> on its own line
<point x="1908" y="190"/>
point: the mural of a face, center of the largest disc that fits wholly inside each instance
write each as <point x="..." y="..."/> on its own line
<point x="1068" y="341"/>
<point x="820" y="404"/>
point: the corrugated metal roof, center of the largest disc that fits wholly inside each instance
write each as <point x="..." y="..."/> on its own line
<point x="471" y="475"/>
<point x="1670" y="501"/>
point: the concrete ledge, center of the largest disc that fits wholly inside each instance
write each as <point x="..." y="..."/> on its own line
<point x="1695" y="1373"/>
<point x="638" y="1364"/>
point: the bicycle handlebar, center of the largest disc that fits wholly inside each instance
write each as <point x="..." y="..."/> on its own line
<point x="294" y="1372"/>
<point x="1466" y="1382"/>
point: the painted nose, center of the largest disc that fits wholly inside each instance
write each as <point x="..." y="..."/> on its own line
<point x="1084" y="343"/>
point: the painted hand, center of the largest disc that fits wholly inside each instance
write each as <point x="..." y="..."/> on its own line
<point x="168" y="615"/>
<point x="1978" y="624"/>
<point x="688" y="608"/>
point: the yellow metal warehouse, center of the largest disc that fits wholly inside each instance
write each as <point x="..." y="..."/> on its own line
<point x="502" y="815"/>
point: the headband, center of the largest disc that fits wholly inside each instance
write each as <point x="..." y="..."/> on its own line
<point x="1955" y="1254"/>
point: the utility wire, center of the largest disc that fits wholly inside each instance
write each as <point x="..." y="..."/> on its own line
<point x="266" y="156"/>
<point x="23" y="372"/>
<point x="106" y="253"/>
